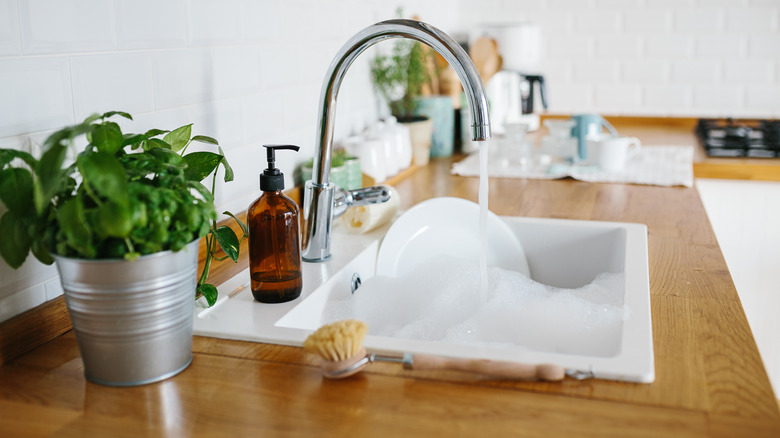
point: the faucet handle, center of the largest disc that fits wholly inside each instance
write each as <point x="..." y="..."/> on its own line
<point x="354" y="198"/>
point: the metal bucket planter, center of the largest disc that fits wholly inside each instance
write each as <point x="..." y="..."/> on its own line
<point x="132" y="319"/>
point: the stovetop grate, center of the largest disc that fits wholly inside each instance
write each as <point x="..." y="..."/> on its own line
<point x="740" y="138"/>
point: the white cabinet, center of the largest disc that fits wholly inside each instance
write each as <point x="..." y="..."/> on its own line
<point x="746" y="218"/>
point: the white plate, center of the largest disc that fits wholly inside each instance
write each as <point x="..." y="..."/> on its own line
<point x="447" y="226"/>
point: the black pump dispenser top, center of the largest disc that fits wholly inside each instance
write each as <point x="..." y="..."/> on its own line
<point x="272" y="180"/>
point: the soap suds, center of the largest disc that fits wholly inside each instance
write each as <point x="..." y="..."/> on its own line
<point x="441" y="301"/>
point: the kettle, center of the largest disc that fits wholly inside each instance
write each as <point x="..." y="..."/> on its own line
<point x="511" y="96"/>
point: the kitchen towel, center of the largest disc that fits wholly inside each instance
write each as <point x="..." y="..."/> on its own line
<point x="652" y="165"/>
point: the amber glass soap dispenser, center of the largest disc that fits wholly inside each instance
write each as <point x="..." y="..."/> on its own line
<point x="274" y="239"/>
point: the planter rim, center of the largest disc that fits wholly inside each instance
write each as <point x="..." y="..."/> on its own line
<point x="118" y="260"/>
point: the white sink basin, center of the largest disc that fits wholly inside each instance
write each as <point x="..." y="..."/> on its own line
<point x="561" y="253"/>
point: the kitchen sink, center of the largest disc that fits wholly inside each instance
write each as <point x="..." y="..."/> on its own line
<point x="561" y="253"/>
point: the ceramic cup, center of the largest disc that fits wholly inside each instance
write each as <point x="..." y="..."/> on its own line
<point x="612" y="153"/>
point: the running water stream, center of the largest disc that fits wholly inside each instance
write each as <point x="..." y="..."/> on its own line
<point x="484" y="187"/>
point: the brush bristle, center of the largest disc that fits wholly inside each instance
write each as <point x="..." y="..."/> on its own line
<point x="338" y="341"/>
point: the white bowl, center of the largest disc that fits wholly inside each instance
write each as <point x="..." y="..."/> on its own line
<point x="447" y="227"/>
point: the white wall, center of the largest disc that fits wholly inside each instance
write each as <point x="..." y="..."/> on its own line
<point x="652" y="57"/>
<point x="246" y="72"/>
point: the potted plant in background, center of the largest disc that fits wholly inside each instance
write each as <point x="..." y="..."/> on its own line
<point x="399" y="78"/>
<point x="123" y="222"/>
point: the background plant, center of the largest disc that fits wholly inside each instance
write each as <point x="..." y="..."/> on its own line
<point x="125" y="195"/>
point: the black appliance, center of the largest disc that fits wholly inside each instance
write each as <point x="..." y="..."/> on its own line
<point x="740" y="137"/>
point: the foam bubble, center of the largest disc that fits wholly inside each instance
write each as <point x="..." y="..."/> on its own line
<point x="441" y="301"/>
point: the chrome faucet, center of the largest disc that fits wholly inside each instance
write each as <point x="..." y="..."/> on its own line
<point x="320" y="192"/>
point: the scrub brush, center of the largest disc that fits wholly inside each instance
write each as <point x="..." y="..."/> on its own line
<point x="340" y="345"/>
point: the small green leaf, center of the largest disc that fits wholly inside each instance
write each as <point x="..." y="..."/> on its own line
<point x="228" y="241"/>
<point x="243" y="226"/>
<point x="205" y="139"/>
<point x="156" y="143"/>
<point x="71" y="219"/>
<point x="228" y="170"/>
<point x="167" y="156"/>
<point x="179" y="137"/>
<point x="107" y="137"/>
<point x="49" y="172"/>
<point x="208" y="291"/>
<point x="91" y="118"/>
<point x="16" y="189"/>
<point x="8" y="155"/>
<point x="104" y="175"/>
<point x="200" y="165"/>
<point x="15" y="242"/>
<point x="203" y="190"/>
<point x="114" y="113"/>
<point x="40" y="251"/>
<point x="155" y="132"/>
<point x="133" y="139"/>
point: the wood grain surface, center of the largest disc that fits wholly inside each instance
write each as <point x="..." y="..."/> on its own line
<point x="709" y="377"/>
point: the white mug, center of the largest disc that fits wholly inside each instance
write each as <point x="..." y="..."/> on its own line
<point x="612" y="153"/>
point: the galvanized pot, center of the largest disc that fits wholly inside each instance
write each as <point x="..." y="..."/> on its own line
<point x="132" y="319"/>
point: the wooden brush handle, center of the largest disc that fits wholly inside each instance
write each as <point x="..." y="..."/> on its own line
<point x="493" y="368"/>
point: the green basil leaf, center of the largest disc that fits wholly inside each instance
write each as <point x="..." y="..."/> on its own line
<point x="114" y="113"/>
<point x="228" y="170"/>
<point x="133" y="139"/>
<point x="50" y="174"/>
<point x="16" y="189"/>
<point x="167" y="156"/>
<point x="208" y="291"/>
<point x="155" y="132"/>
<point x="104" y="175"/>
<point x="8" y="155"/>
<point x="205" y="139"/>
<point x="40" y="251"/>
<point x="15" y="242"/>
<point x="179" y="137"/>
<point x="228" y="241"/>
<point x="71" y="219"/>
<point x="107" y="137"/>
<point x="243" y="226"/>
<point x="91" y="118"/>
<point x="200" y="165"/>
<point x="156" y="143"/>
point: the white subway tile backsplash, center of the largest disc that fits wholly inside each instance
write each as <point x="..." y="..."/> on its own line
<point x="695" y="70"/>
<point x="597" y="21"/>
<point x="109" y="82"/>
<point x="666" y="96"/>
<point x="213" y="22"/>
<point x="596" y="71"/>
<point x="717" y="98"/>
<point x="182" y="77"/>
<point x="236" y="71"/>
<point x="647" y="21"/>
<point x="569" y="46"/>
<point x="617" y="96"/>
<point x="764" y="45"/>
<point x="40" y="97"/>
<point x="568" y="97"/>
<point x="136" y="28"/>
<point x="763" y="97"/>
<point x="669" y="46"/>
<point x="748" y="70"/>
<point x="645" y="71"/>
<point x="753" y="20"/>
<point x="56" y="26"/>
<point x="259" y="21"/>
<point x="698" y="20"/>
<point x="569" y="4"/>
<point x="275" y="74"/>
<point x="10" y="42"/>
<point x="626" y="46"/>
<point x="714" y="46"/>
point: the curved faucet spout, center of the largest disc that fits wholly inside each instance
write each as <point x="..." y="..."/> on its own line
<point x="318" y="200"/>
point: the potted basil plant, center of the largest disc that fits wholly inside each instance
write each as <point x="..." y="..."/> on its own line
<point x="122" y="222"/>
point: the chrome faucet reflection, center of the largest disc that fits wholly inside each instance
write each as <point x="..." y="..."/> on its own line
<point x="320" y="192"/>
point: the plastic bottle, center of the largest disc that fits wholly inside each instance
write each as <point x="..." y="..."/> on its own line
<point x="274" y="238"/>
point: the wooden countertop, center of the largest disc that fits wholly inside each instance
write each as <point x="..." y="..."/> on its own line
<point x="709" y="377"/>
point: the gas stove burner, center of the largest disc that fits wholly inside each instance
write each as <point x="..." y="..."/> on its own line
<point x="740" y="138"/>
